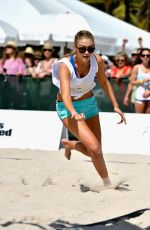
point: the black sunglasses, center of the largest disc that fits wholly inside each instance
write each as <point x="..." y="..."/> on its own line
<point x="83" y="49"/>
<point x="9" y="47"/>
<point x="50" y="50"/>
<point x="37" y="59"/>
<point x="145" y="55"/>
<point x="134" y="55"/>
<point x="120" y="60"/>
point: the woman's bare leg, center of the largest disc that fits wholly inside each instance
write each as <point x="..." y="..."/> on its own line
<point x="139" y="107"/>
<point x="89" y="134"/>
<point x="148" y="107"/>
<point x="94" y="125"/>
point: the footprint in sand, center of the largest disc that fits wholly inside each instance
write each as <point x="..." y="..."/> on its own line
<point x="47" y="182"/>
<point x="98" y="188"/>
<point x="23" y="181"/>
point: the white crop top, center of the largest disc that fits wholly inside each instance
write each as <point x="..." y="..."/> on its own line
<point x="141" y="88"/>
<point x="78" y="86"/>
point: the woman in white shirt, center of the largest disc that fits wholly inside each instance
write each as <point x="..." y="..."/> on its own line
<point x="140" y="78"/>
<point x="76" y="104"/>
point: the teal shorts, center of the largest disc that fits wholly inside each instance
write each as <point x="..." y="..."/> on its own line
<point x="87" y="106"/>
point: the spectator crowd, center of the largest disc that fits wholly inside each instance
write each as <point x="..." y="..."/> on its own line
<point x="37" y="64"/>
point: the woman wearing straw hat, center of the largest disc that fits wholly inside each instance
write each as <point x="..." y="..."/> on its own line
<point x="15" y="68"/>
<point x="29" y="61"/>
<point x="45" y="66"/>
<point x="13" y="65"/>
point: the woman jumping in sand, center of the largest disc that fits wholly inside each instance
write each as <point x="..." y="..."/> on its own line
<point x="76" y="104"/>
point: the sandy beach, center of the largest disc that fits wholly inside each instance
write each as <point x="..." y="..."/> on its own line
<point x="43" y="190"/>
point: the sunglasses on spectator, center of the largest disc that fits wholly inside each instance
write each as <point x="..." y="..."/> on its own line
<point x="83" y="49"/>
<point x="134" y="55"/>
<point x="9" y="47"/>
<point x="120" y="60"/>
<point x="50" y="50"/>
<point x="37" y="59"/>
<point x="145" y="55"/>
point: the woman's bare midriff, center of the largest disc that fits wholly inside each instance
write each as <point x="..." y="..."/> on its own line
<point x="86" y="95"/>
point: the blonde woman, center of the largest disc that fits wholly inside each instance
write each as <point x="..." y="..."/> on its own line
<point x="76" y="104"/>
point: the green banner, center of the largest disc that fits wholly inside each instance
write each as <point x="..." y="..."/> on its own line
<point x="27" y="93"/>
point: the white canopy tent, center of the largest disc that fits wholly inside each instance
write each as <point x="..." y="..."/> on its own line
<point x="103" y="38"/>
<point x="25" y="18"/>
<point x="39" y="20"/>
<point x="34" y="20"/>
<point x="64" y="35"/>
<point x="73" y="23"/>
<point x="34" y="27"/>
<point x="108" y="31"/>
<point x="50" y="6"/>
<point x="7" y="32"/>
<point x="104" y="25"/>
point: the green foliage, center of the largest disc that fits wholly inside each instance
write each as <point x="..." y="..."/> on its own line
<point x="119" y="11"/>
<point x="139" y="11"/>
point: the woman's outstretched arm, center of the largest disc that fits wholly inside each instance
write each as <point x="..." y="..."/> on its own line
<point x="106" y="86"/>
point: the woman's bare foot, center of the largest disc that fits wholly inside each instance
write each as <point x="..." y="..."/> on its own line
<point x="68" y="148"/>
<point x="107" y="183"/>
<point x="114" y="185"/>
<point x="67" y="154"/>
